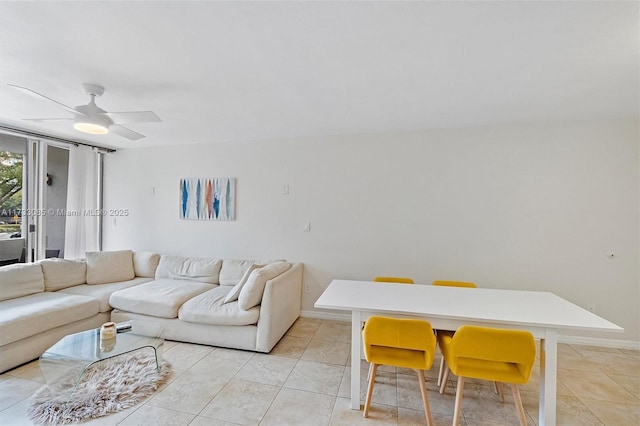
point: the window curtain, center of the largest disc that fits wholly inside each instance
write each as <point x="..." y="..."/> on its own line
<point x="83" y="203"/>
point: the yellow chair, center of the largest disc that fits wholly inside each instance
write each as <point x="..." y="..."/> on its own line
<point x="504" y="356"/>
<point x="465" y="284"/>
<point x="405" y="343"/>
<point x="455" y="283"/>
<point x="397" y="280"/>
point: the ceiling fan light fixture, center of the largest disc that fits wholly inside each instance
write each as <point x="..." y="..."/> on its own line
<point x="91" y="125"/>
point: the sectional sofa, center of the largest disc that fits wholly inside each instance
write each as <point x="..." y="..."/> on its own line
<point x="242" y="304"/>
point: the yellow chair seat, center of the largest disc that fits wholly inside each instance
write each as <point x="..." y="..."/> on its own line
<point x="399" y="357"/>
<point x="495" y="371"/>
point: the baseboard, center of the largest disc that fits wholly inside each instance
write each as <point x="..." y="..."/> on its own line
<point x="571" y="340"/>
<point x="326" y="315"/>
<point x="595" y="341"/>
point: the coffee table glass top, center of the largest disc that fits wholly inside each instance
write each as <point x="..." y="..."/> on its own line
<point x="64" y="363"/>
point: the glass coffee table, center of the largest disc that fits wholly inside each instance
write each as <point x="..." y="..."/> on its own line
<point x="64" y="364"/>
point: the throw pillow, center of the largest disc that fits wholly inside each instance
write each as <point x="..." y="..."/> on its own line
<point x="109" y="266"/>
<point x="233" y="295"/>
<point x="251" y="292"/>
<point x="145" y="263"/>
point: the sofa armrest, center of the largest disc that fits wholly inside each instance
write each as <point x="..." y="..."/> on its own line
<point x="280" y="307"/>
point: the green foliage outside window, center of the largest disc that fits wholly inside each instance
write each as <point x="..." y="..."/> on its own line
<point x="10" y="182"/>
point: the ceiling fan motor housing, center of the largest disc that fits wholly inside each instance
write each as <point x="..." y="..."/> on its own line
<point x="92" y="89"/>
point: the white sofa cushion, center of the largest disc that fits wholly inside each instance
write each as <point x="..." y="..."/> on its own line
<point x="63" y="273"/>
<point x="160" y="298"/>
<point x="251" y="292"/>
<point x="233" y="295"/>
<point x="109" y="266"/>
<point x="33" y="314"/>
<point x="145" y="263"/>
<point x="20" y="279"/>
<point x="189" y="268"/>
<point x="208" y="308"/>
<point x="102" y="292"/>
<point x="233" y="270"/>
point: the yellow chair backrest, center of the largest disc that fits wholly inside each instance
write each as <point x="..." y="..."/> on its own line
<point x="455" y="283"/>
<point x="408" y="343"/>
<point x="399" y="280"/>
<point x="493" y="344"/>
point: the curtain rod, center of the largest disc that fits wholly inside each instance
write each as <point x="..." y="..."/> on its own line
<point x="24" y="132"/>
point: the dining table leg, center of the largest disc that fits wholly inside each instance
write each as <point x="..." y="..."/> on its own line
<point x="356" y="344"/>
<point x="548" y="378"/>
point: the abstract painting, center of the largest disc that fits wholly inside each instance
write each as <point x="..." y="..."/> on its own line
<point x="208" y="198"/>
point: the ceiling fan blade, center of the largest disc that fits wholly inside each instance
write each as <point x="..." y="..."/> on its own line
<point x="125" y="133"/>
<point x="40" y="96"/>
<point x="131" y="116"/>
<point x="40" y="120"/>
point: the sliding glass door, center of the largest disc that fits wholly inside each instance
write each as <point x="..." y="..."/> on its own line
<point x="41" y="220"/>
<point x="50" y="199"/>
<point x="47" y="218"/>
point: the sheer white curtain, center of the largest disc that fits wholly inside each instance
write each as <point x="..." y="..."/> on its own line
<point x="83" y="201"/>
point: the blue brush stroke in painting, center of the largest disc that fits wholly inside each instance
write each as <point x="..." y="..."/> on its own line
<point x="185" y="197"/>
<point x="198" y="198"/>
<point x="216" y="199"/>
<point x="228" y="199"/>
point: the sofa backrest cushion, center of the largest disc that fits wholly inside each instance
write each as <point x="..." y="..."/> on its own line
<point x="63" y="273"/>
<point x="233" y="270"/>
<point x="20" y="279"/>
<point x="251" y="292"/>
<point x="109" y="266"/>
<point x="199" y="269"/>
<point x="145" y="263"/>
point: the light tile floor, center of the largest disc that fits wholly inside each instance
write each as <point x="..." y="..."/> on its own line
<point x="305" y="381"/>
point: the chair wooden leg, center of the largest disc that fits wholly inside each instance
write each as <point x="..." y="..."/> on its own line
<point x="445" y="377"/>
<point x="518" y="401"/>
<point x="441" y="371"/>
<point x="458" y="408"/>
<point x="369" y="373"/>
<point x="425" y="397"/>
<point x="499" y="390"/>
<point x="372" y="381"/>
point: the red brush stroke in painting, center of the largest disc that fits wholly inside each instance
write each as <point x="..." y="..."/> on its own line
<point x="209" y="198"/>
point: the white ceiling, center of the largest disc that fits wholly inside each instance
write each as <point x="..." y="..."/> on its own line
<point x="228" y="71"/>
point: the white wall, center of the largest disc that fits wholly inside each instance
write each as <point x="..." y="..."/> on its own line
<point x="538" y="207"/>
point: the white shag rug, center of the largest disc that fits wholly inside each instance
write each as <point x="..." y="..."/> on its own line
<point x="107" y="387"/>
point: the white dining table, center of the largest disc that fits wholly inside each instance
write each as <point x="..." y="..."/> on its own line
<point x="447" y="308"/>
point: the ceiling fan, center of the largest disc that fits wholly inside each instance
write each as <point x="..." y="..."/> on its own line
<point x="90" y="118"/>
